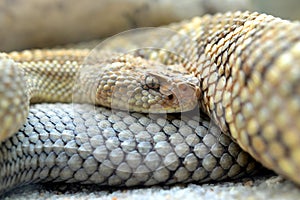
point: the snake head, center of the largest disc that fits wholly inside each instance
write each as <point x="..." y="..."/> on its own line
<point x="135" y="84"/>
<point x="156" y="88"/>
<point x="174" y="92"/>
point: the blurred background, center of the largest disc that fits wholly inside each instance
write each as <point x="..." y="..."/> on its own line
<point x="287" y="9"/>
<point x="38" y="24"/>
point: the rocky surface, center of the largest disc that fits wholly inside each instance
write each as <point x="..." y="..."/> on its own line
<point x="257" y="188"/>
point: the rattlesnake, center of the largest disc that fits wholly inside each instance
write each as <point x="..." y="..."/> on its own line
<point x="247" y="65"/>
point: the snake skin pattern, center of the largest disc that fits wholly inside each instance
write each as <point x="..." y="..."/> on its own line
<point x="94" y="145"/>
<point x="249" y="72"/>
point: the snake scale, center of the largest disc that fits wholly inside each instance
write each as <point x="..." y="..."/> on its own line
<point x="248" y="69"/>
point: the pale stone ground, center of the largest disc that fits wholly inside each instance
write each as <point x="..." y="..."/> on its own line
<point x="258" y="188"/>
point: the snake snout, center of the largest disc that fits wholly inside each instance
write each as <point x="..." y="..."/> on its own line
<point x="187" y="95"/>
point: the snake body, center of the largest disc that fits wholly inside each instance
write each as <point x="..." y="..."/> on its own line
<point x="248" y="68"/>
<point x="83" y="144"/>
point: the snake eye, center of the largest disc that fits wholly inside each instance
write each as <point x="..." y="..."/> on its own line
<point x="152" y="82"/>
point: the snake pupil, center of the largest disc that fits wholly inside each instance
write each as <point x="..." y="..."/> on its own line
<point x="152" y="82"/>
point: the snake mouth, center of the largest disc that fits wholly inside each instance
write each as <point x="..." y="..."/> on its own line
<point x="174" y="98"/>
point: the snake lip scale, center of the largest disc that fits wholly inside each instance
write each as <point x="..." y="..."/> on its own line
<point x="247" y="66"/>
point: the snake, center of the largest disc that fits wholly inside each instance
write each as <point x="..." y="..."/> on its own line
<point x="247" y="87"/>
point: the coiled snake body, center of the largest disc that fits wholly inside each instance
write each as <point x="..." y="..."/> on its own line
<point x="248" y="69"/>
